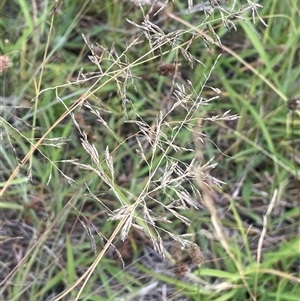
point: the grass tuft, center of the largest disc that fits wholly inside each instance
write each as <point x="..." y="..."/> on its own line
<point x="148" y="151"/>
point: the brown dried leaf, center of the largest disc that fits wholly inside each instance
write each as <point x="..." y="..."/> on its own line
<point x="169" y="69"/>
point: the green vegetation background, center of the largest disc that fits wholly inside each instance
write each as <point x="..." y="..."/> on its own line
<point x="55" y="201"/>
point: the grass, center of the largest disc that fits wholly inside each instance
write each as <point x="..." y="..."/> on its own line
<point x="149" y="158"/>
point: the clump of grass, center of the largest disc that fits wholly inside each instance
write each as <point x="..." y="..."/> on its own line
<point x="117" y="152"/>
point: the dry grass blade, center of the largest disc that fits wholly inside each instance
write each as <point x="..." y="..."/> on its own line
<point x="263" y="233"/>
